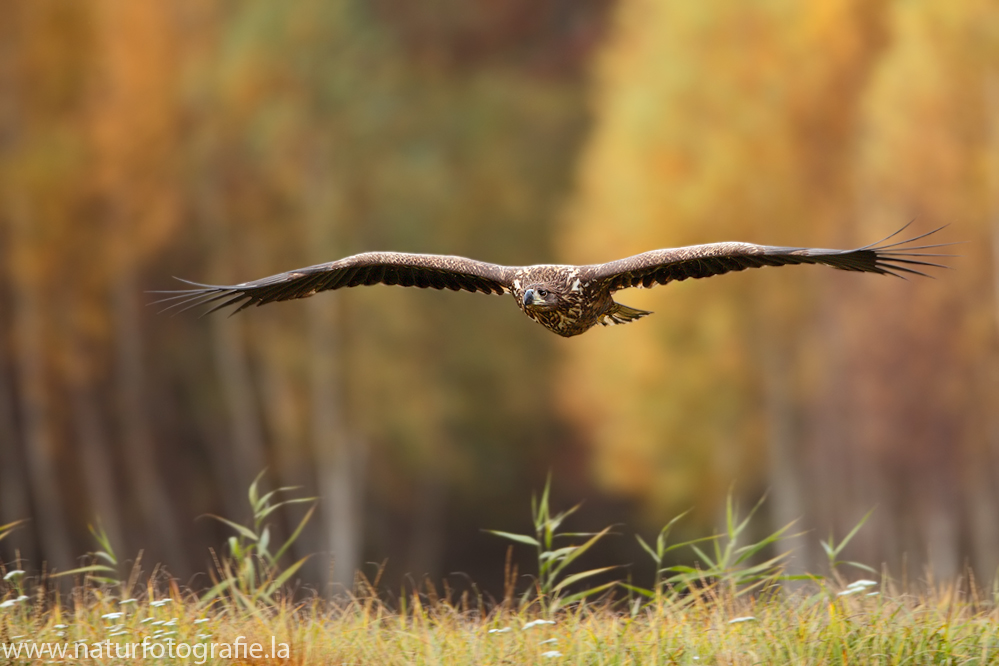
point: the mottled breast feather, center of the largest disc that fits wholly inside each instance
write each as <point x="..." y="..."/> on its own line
<point x="581" y="300"/>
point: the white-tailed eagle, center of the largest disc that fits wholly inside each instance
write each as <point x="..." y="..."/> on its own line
<point x="567" y="300"/>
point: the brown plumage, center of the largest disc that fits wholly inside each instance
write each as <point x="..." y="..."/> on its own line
<point x="567" y="300"/>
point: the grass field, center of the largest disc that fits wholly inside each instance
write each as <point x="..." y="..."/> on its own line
<point x="729" y="608"/>
<point x="944" y="627"/>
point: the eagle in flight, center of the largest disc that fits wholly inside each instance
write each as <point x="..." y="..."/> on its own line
<point x="567" y="300"/>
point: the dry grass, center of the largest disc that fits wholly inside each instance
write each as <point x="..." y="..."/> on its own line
<point x="727" y="609"/>
<point x="941" y="625"/>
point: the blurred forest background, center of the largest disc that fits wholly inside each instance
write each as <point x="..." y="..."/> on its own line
<point x="226" y="141"/>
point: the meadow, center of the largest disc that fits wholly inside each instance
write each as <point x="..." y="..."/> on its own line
<point x="734" y="605"/>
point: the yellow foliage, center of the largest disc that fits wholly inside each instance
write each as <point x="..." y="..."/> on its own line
<point x="827" y="123"/>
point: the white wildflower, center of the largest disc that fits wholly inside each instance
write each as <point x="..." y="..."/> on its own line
<point x="201" y="620"/>
<point x="551" y="654"/>
<point x="23" y="597"/>
<point x="745" y="618"/>
<point x="550" y="640"/>
<point x="500" y="631"/>
<point x="534" y="623"/>
<point x="60" y="626"/>
<point x="118" y="633"/>
<point x="161" y="602"/>
<point x="127" y="601"/>
<point x="863" y="582"/>
<point x="12" y="574"/>
<point x="113" y="616"/>
<point x="204" y="635"/>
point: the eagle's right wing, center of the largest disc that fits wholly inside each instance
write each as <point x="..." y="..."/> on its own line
<point x="408" y="270"/>
<point x="700" y="261"/>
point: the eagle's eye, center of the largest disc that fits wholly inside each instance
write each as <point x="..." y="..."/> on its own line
<point x="543" y="293"/>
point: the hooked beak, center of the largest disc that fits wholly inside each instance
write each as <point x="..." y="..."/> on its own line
<point x="529" y="297"/>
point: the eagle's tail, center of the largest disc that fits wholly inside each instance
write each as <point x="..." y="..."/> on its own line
<point x="621" y="314"/>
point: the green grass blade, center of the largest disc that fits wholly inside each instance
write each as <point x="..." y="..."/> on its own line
<point x="569" y="559"/>
<point x="648" y="549"/>
<point x="519" y="538"/>
<point x="578" y="596"/>
<point x="243" y="531"/>
<point x="92" y="568"/>
<point x="575" y="578"/>
<point x="294" y="535"/>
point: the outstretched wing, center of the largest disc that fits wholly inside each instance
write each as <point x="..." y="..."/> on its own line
<point x="408" y="270"/>
<point x="700" y="261"/>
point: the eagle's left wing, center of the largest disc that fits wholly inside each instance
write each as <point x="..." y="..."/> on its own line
<point x="699" y="261"/>
<point x="432" y="271"/>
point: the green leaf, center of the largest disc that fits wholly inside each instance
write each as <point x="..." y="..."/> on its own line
<point x="640" y="590"/>
<point x="519" y="538"/>
<point x="573" y="598"/>
<point x="296" y="533"/>
<point x="569" y="580"/>
<point x="93" y="568"/>
<point x="571" y="557"/>
<point x="713" y="537"/>
<point x="263" y="501"/>
<point x="556" y="554"/>
<point x="215" y="591"/>
<point x="253" y="488"/>
<point x="853" y="532"/>
<point x="271" y="509"/>
<point x="704" y="558"/>
<point x="861" y="566"/>
<point x="265" y="540"/>
<point x="648" y="549"/>
<point x="288" y="573"/>
<point x="747" y="552"/>
<point x="244" y="531"/>
<point x="110" y="559"/>
<point x="5" y="530"/>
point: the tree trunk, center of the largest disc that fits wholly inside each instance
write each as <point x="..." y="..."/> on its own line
<point x="339" y="480"/>
<point x="427" y="537"/>
<point x="339" y="456"/>
<point x="247" y="453"/>
<point x="294" y="461"/>
<point x="783" y="438"/>
<point x="96" y="462"/>
<point x="139" y="452"/>
<point x="43" y="479"/>
<point x="984" y="511"/>
<point x="14" y="503"/>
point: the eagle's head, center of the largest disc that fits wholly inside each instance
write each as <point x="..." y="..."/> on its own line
<point x="541" y="297"/>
